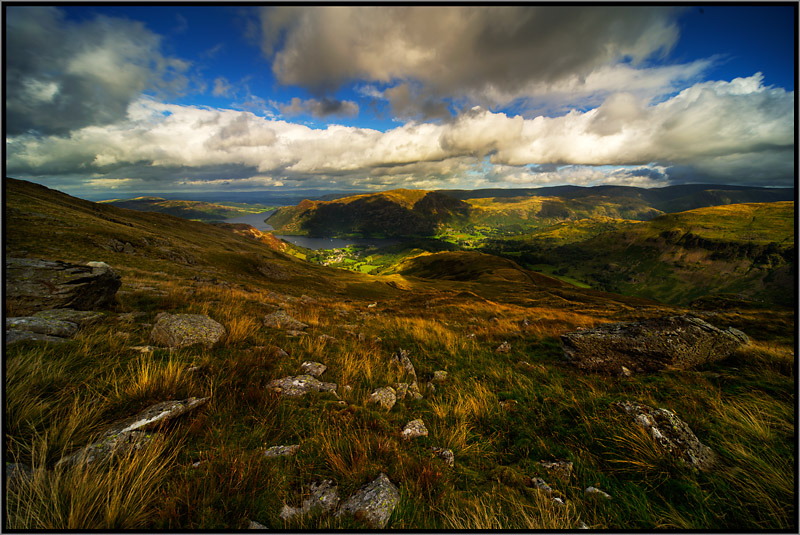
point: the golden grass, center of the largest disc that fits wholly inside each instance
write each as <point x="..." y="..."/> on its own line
<point x="124" y="495"/>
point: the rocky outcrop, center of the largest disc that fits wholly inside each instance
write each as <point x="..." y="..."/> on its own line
<point x="444" y="454"/>
<point x="300" y="385"/>
<point x="678" y="342"/>
<point x="48" y="325"/>
<point x="373" y="503"/>
<point x="670" y="433"/>
<point x="33" y="285"/>
<point x="594" y="491"/>
<point x="182" y="330"/>
<point x="401" y="360"/>
<point x="130" y="433"/>
<point x="324" y="497"/>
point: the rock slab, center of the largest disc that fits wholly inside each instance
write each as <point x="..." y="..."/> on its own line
<point x="324" y="498"/>
<point x="282" y="451"/>
<point x="670" y="433"/>
<point x="33" y="285"/>
<point x="373" y="503"/>
<point x="414" y="429"/>
<point x="677" y="342"/>
<point x="385" y="396"/>
<point x="182" y="330"/>
<point x="281" y="320"/>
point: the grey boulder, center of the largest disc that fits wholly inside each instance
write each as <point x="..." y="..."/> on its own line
<point x="182" y="330"/>
<point x="373" y="503"/>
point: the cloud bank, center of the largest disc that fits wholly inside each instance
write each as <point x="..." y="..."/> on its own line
<point x="730" y="132"/>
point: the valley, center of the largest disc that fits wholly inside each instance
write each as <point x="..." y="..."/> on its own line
<point x="518" y="434"/>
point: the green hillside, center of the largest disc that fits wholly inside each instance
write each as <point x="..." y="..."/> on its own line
<point x="196" y="210"/>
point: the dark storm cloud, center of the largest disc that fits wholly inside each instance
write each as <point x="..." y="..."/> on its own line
<point x="62" y="75"/>
<point x="453" y="51"/>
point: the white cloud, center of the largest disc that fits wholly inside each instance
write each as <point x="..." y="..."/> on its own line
<point x="222" y="88"/>
<point x="731" y="132"/>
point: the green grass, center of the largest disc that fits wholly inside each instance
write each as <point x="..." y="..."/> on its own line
<point x="498" y="415"/>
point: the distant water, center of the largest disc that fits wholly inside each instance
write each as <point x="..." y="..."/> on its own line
<point x="336" y="243"/>
<point x="254" y="220"/>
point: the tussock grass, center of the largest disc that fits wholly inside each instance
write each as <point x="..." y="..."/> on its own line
<point x="124" y="495"/>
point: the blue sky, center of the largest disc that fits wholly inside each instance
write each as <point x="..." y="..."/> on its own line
<point x="115" y="99"/>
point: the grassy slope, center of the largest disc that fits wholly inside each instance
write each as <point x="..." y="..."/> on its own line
<point x="198" y="210"/>
<point x="58" y="396"/>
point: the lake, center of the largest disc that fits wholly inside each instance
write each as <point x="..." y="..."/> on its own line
<point x="254" y="220"/>
<point x="257" y="221"/>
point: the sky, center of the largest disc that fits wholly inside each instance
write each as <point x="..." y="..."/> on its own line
<point x="106" y="100"/>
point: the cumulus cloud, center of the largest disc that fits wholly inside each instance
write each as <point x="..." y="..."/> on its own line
<point x="319" y="107"/>
<point x="222" y="88"/>
<point x="491" y="55"/>
<point x="64" y="75"/>
<point x="726" y="132"/>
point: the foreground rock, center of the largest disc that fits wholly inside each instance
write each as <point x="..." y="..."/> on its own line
<point x="373" y="503"/>
<point x="50" y="327"/>
<point x="33" y="285"/>
<point x="300" y="385"/>
<point x="670" y="433"/>
<point x="324" y="498"/>
<point x="13" y="336"/>
<point x="129" y="433"/>
<point x="679" y="342"/>
<point x="281" y="320"/>
<point x="182" y="330"/>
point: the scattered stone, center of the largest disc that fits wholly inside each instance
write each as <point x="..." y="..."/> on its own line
<point x="539" y="483"/>
<point x="558" y="501"/>
<point x="198" y="463"/>
<point x="505" y="347"/>
<point x="348" y="389"/>
<point x="401" y="389"/>
<point x="625" y="372"/>
<point x="327" y="338"/>
<point x="282" y="451"/>
<point x="281" y="320"/>
<point x="13" y="336"/>
<point x="670" y="433"/>
<point x="413" y="391"/>
<point x="306" y="300"/>
<point x="678" y="342"/>
<point x="324" y="498"/>
<point x="373" y="305"/>
<point x="130" y="316"/>
<point x="509" y="404"/>
<point x="525" y="365"/>
<point x="445" y="454"/>
<point x="414" y="429"/>
<point x="313" y="368"/>
<point x="143" y="349"/>
<point x="401" y="359"/>
<point x="593" y="491"/>
<point x="373" y="503"/>
<point x="431" y="387"/>
<point x="385" y="396"/>
<point x="192" y="369"/>
<point x="583" y="525"/>
<point x="294" y="334"/>
<point x="182" y="330"/>
<point x="439" y="376"/>
<point x="300" y="385"/>
<point x="110" y="444"/>
<point x="255" y="525"/>
<point x="559" y="469"/>
<point x="158" y="413"/>
<point x="33" y="285"/>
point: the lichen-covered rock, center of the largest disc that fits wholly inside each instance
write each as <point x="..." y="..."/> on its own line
<point x="281" y="320"/>
<point x="558" y="469"/>
<point x="401" y="389"/>
<point x="373" y="503"/>
<point x="414" y="429"/>
<point x="327" y="338"/>
<point x="50" y="327"/>
<point x="33" y="285"/>
<point x="401" y="360"/>
<point x="678" y="342"/>
<point x="313" y="368"/>
<point x="79" y="317"/>
<point x="182" y="330"/>
<point x="300" y="385"/>
<point x="109" y="445"/>
<point x="384" y="396"/>
<point x="439" y="376"/>
<point x="324" y="498"/>
<point x="445" y="454"/>
<point x="670" y="433"/>
<point x="539" y="483"/>
<point x="282" y="451"/>
<point x="255" y="525"/>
